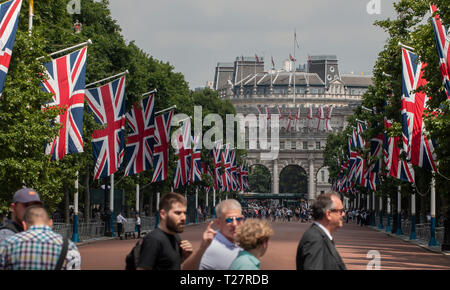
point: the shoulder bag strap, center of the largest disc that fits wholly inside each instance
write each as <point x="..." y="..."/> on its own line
<point x="63" y="254"/>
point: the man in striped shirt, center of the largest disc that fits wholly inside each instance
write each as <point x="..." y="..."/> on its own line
<point x="38" y="247"/>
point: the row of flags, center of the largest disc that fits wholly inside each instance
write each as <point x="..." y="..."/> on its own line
<point x="414" y="147"/>
<point x="226" y="174"/>
<point x="321" y="119"/>
<point x="147" y="144"/>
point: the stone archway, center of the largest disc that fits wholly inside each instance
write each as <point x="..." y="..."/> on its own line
<point x="293" y="179"/>
<point x="322" y="180"/>
<point x="259" y="179"/>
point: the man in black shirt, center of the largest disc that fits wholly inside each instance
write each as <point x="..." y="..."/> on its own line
<point x="163" y="249"/>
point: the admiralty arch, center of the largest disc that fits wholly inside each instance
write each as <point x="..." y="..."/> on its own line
<point x="293" y="95"/>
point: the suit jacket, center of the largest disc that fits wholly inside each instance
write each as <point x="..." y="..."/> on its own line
<point x="317" y="252"/>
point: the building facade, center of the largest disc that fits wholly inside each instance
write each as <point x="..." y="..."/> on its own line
<point x="317" y="84"/>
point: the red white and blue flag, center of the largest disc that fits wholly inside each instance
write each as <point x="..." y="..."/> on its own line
<point x="443" y="48"/>
<point x="107" y="104"/>
<point x="395" y="165"/>
<point x="66" y="81"/>
<point x="139" y="149"/>
<point x="161" y="143"/>
<point x="184" y="155"/>
<point x="235" y="186"/>
<point x="419" y="148"/>
<point x="376" y="158"/>
<point x="217" y="157"/>
<point x="243" y="174"/>
<point x="196" y="160"/>
<point x="226" y="162"/>
<point x="9" y="17"/>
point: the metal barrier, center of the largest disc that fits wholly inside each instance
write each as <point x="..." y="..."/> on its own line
<point x="422" y="230"/>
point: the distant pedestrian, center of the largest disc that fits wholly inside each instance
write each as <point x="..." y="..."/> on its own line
<point x="253" y="236"/>
<point x="23" y="198"/>
<point x="138" y="225"/>
<point x="38" y="247"/>
<point x="316" y="250"/>
<point x="120" y="221"/>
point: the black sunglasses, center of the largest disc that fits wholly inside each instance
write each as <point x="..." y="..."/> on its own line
<point x="230" y="219"/>
<point x="338" y="210"/>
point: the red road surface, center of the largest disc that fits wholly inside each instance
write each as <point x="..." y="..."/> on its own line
<point x="353" y="243"/>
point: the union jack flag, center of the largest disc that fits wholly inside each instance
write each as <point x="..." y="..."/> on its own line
<point x="419" y="149"/>
<point x="139" y="148"/>
<point x="107" y="104"/>
<point x="217" y="164"/>
<point x="161" y="142"/>
<point x="9" y="17"/>
<point x="243" y="173"/>
<point x="226" y="162"/>
<point x="196" y="163"/>
<point x="234" y="172"/>
<point x="184" y="153"/>
<point x="66" y="80"/>
<point x="443" y="47"/>
<point x="328" y="119"/>
<point x="396" y="166"/>
<point x="376" y="156"/>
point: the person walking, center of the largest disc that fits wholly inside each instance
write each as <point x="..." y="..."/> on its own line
<point x="138" y="225"/>
<point x="22" y="199"/>
<point x="163" y="249"/>
<point x="253" y="236"/>
<point x="316" y="250"/>
<point x="38" y="247"/>
<point x="120" y="221"/>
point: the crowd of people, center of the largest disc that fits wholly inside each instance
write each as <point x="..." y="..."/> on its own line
<point x="301" y="213"/>
<point x="235" y="240"/>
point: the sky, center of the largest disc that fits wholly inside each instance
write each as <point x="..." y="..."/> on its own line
<point x="194" y="35"/>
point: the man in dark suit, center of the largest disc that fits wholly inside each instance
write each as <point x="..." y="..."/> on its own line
<point x="316" y="250"/>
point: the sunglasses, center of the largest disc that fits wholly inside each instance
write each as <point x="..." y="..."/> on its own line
<point x="230" y="219"/>
<point x="338" y="210"/>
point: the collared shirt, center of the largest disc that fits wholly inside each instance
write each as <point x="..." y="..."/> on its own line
<point x="121" y="219"/>
<point x="245" y="261"/>
<point x="325" y="230"/>
<point x="220" y="254"/>
<point x="38" y="248"/>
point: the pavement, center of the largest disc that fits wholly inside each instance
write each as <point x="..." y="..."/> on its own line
<point x="354" y="243"/>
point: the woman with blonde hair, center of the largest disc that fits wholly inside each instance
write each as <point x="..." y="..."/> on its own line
<point x="253" y="236"/>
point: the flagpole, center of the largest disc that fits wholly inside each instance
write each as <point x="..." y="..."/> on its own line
<point x="295" y="40"/>
<point x="67" y="49"/>
<point x="433" y="241"/>
<point x="30" y="18"/>
<point x="165" y="110"/>
<point x="148" y="93"/>
<point x="75" y="236"/>
<point x="405" y="46"/>
<point x="157" y="209"/>
<point x="111" y="204"/>
<point x="108" y="78"/>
